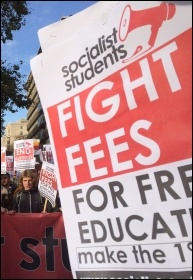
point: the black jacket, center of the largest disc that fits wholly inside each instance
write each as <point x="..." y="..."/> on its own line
<point x="7" y="199"/>
<point x="32" y="202"/>
<point x="28" y="202"/>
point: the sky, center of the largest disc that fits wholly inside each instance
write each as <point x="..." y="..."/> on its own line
<point x="25" y="43"/>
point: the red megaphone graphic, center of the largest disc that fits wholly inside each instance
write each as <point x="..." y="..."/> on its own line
<point x="155" y="16"/>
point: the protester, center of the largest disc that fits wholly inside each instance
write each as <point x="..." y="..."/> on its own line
<point x="37" y="171"/>
<point x="7" y="190"/>
<point x="27" y="198"/>
<point x="4" y="192"/>
<point x="16" y="177"/>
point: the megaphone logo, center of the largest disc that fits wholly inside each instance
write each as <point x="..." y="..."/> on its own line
<point x="154" y="17"/>
<point x="27" y="144"/>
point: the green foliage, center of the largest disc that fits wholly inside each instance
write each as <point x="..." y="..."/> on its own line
<point x="12" y="18"/>
<point x="2" y="122"/>
<point x="13" y="93"/>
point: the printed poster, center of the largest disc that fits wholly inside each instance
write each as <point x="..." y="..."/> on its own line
<point x="24" y="154"/>
<point x="47" y="182"/>
<point x="3" y="160"/>
<point x="118" y="111"/>
<point x="9" y="164"/>
<point x="47" y="153"/>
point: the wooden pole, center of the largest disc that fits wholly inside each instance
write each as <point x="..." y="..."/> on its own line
<point x="45" y="204"/>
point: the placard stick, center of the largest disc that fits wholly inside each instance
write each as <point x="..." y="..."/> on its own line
<point x="45" y="204"/>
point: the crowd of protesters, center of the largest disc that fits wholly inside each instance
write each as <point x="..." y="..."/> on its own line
<point x="8" y="188"/>
<point x="24" y="196"/>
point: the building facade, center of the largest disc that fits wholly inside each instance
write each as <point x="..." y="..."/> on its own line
<point x="14" y="131"/>
<point x="36" y="124"/>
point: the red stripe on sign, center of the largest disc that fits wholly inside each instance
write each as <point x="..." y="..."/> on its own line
<point x="138" y="117"/>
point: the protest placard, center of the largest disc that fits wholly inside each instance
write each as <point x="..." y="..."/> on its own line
<point x="118" y="111"/>
<point x="53" y="34"/>
<point x="24" y="154"/>
<point x="47" y="152"/>
<point x="47" y="182"/>
<point x="9" y="164"/>
<point x="3" y="160"/>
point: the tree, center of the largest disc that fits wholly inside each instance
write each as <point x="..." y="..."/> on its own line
<point x="13" y="93"/>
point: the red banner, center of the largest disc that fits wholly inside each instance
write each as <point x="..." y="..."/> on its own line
<point x="33" y="246"/>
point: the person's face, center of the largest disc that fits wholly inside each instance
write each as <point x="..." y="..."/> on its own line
<point x="27" y="183"/>
<point x="5" y="180"/>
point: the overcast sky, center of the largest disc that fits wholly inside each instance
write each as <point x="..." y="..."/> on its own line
<point x="25" y="42"/>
